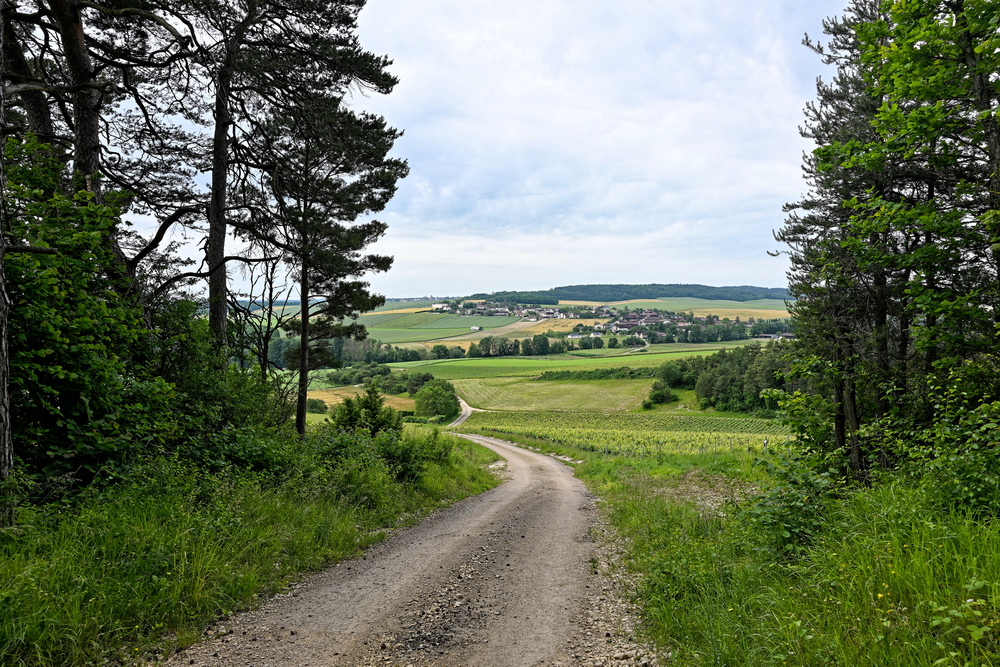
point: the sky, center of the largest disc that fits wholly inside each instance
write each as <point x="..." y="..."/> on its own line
<point x="562" y="142"/>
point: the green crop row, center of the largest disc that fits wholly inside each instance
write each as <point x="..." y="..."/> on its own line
<point x="633" y="433"/>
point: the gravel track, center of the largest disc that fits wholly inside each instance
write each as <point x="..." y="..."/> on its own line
<point x="511" y="577"/>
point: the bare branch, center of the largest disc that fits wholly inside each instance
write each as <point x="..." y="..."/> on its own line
<point x="132" y="11"/>
<point x="161" y="231"/>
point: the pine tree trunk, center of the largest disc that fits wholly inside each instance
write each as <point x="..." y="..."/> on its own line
<point x="856" y="461"/>
<point x="6" y="440"/>
<point x="303" y="394"/>
<point x="839" y="423"/>
<point x="36" y="107"/>
<point x="216" y="249"/>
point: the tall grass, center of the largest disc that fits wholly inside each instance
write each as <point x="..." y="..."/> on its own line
<point x="152" y="560"/>
<point x="891" y="580"/>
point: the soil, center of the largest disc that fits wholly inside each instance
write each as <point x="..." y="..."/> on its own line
<point x="526" y="574"/>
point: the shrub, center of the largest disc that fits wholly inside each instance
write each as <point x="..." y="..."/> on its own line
<point x="661" y="393"/>
<point x="316" y="405"/>
<point x="437" y="397"/>
<point x="792" y="511"/>
<point x="367" y="412"/>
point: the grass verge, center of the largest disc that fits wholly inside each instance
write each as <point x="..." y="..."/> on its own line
<point x="144" y="565"/>
<point x="887" y="577"/>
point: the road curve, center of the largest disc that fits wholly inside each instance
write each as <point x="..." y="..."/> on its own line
<point x="465" y="413"/>
<point x="494" y="581"/>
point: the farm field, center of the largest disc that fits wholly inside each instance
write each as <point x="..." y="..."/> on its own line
<point x="541" y="326"/>
<point x="425" y="321"/>
<point x="761" y="308"/>
<point x="519" y="393"/>
<point x="335" y="396"/>
<point x="633" y="434"/>
<point x="420" y="327"/>
<point x="455" y="369"/>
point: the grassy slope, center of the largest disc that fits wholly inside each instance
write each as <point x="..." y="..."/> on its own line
<point x="506" y="393"/>
<point x="153" y="560"/>
<point x="888" y="579"/>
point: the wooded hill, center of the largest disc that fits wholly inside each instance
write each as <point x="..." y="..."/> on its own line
<point x="609" y="293"/>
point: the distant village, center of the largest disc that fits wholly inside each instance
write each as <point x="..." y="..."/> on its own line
<point x="643" y="324"/>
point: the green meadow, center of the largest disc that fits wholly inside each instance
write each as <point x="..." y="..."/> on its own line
<point x="454" y="369"/>
<point x="520" y="393"/>
<point x="421" y="327"/>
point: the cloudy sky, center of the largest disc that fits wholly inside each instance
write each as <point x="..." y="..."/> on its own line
<point x="559" y="142"/>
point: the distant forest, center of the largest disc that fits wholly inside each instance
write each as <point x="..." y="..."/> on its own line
<point x="609" y="293"/>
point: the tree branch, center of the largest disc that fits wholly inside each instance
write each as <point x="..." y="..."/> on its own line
<point x="161" y="231"/>
<point x="204" y="274"/>
<point x="132" y="11"/>
<point x="27" y="249"/>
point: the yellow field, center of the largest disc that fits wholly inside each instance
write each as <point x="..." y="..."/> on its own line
<point x="336" y="396"/>
<point x="542" y="326"/>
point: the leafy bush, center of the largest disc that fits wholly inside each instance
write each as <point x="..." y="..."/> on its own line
<point x="316" y="405"/>
<point x="661" y="393"/>
<point x="367" y="412"/>
<point x="437" y="398"/>
<point x="71" y="335"/>
<point x="793" y="510"/>
<point x="961" y="462"/>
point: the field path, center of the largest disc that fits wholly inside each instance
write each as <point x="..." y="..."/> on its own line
<point x="496" y="580"/>
<point x="466" y="412"/>
<point x="513" y="327"/>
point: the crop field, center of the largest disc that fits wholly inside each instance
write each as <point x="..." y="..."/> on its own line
<point x="419" y="327"/>
<point x="401" y="305"/>
<point x="455" y="369"/>
<point x="336" y="396"/>
<point x="556" y="325"/>
<point x="432" y="321"/>
<point x="520" y="393"/>
<point x="634" y="434"/>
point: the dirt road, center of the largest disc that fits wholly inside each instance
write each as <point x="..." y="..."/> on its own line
<point x="465" y="413"/>
<point x="496" y="580"/>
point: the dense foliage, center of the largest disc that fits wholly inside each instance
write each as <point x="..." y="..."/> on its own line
<point x="894" y="248"/>
<point x="734" y="380"/>
<point x="437" y="398"/>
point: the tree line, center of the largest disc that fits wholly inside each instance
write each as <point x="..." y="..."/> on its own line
<point x="895" y="248"/>
<point x="111" y="114"/>
<point x="611" y="293"/>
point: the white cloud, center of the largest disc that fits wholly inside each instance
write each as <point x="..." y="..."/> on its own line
<point x="554" y="142"/>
